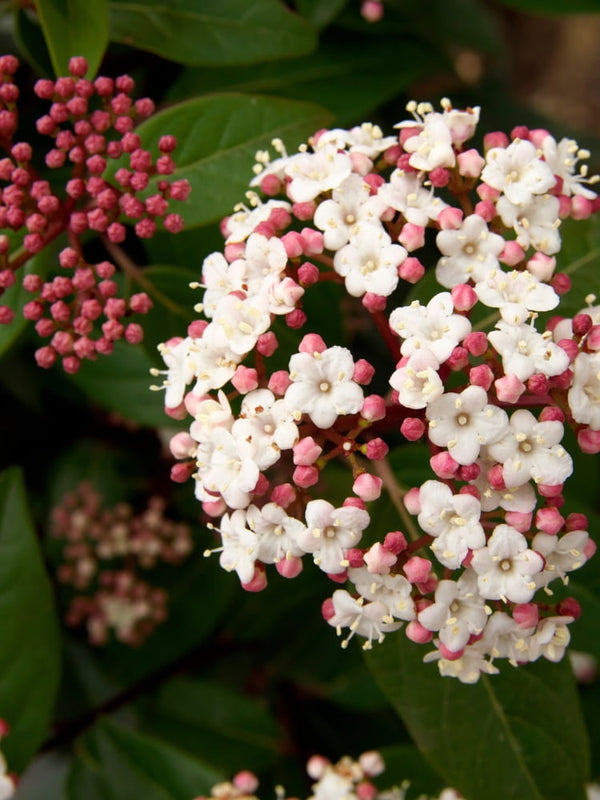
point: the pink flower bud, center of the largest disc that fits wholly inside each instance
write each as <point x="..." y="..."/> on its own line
<point x="395" y="542"/>
<point x="379" y="559"/>
<point x="312" y="241"/>
<point x="289" y="567"/>
<point x="444" y="465"/>
<point x="412" y="236"/>
<point x="469" y="472"/>
<point x="569" y="607"/>
<point x="538" y="384"/>
<point x="439" y="177"/>
<point x="495" y="139"/>
<point x="450" y="655"/>
<point x="450" y="218"/>
<point x="305" y="476"/>
<point x="464" y="298"/>
<point x="308" y="274"/>
<point x="417" y="633"/>
<point x="245" y="379"/>
<point x="496" y="478"/>
<point x="458" y="359"/>
<point x="284" y="494"/>
<point x="367" y="487"/>
<point x="570" y="347"/>
<point x="374" y="302"/>
<point x="520" y="520"/>
<point x="487" y="194"/>
<point x="182" y="445"/>
<point x="411" y="270"/>
<point x="134" y="333"/>
<point x="550" y="491"/>
<point x="581" y="207"/>
<point x="279" y="382"/>
<point x="551" y="414"/>
<point x="267" y="344"/>
<point x="312" y="343"/>
<point x="376" y="449"/>
<point x="412" y="428"/>
<point x="576" y="522"/>
<point x="589" y="441"/>
<point x="549" y="520"/>
<point x="306" y="452"/>
<point x="470" y="163"/>
<point x="295" y="319"/>
<point x="293" y="243"/>
<point x="512" y="254"/>
<point x="541" y="266"/>
<point x="363" y="371"/>
<point x="45" y="357"/>
<point x="412" y="501"/>
<point x="417" y="569"/>
<point x="486" y="210"/>
<point x="373" y="408"/>
<point x="509" y="388"/>
<point x="258" y="581"/>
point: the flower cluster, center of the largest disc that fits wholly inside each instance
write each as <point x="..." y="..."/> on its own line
<point x="91" y="125"/>
<point x="489" y="400"/>
<point x="348" y="779"/>
<point x="102" y="553"/>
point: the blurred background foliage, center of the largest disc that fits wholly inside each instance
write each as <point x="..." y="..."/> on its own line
<point x="234" y="680"/>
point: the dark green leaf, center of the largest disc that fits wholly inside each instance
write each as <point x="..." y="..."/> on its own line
<point x="31" y="43"/>
<point x="225" y="726"/>
<point x="202" y="32"/>
<point x="74" y="28"/>
<point x="552" y="6"/>
<point x="121" y="383"/>
<point x="517" y="734"/>
<point x="338" y="76"/>
<point x="580" y="259"/>
<point x="115" y="763"/>
<point x="29" y="659"/>
<point x="218" y="138"/>
<point x="320" y="12"/>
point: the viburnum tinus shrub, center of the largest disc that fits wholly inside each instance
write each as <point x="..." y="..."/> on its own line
<point x="89" y="124"/>
<point x="287" y="445"/>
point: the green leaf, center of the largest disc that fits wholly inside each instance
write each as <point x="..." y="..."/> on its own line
<point x="202" y="32"/>
<point x="580" y="259"/>
<point x="29" y="659"/>
<point x="517" y="734"/>
<point x="320" y="12"/>
<point x="115" y="763"/>
<point x="552" y="6"/>
<point x="74" y="28"/>
<point x="338" y="76"/>
<point x="121" y="382"/>
<point x="31" y="43"/>
<point x="218" y="138"/>
<point x="226" y="726"/>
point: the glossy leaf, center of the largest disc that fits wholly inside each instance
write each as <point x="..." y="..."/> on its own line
<point x="218" y="139"/>
<point x="121" y="383"/>
<point x="29" y="658"/>
<point x="320" y="12"/>
<point x="552" y="6"/>
<point x="202" y="32"/>
<point x="226" y="726"/>
<point x="579" y="258"/>
<point x="115" y="763"/>
<point x="32" y="45"/>
<point x="74" y="28"/>
<point x="517" y="734"/>
<point x="338" y="76"/>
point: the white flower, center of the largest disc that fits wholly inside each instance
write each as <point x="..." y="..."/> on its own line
<point x="524" y="351"/>
<point x="432" y="147"/>
<point x="433" y="327"/>
<point x="313" y="173"/>
<point x="211" y="414"/>
<point x="521" y="498"/>
<point x="536" y="223"/>
<point x="179" y="357"/>
<point x="243" y="221"/>
<point x="350" y="207"/>
<point x="454" y="521"/>
<point x="405" y="192"/>
<point x="550" y="639"/>
<point x="464" y="422"/>
<point x="417" y="382"/>
<point x="505" y="567"/>
<point x="240" y="546"/>
<point x="227" y="468"/>
<point x="267" y="424"/>
<point x="370" y="262"/>
<point x="333" y="786"/>
<point x="532" y="449"/>
<point x="364" y="619"/>
<point x="562" y="554"/>
<point x="515" y="294"/>
<point x="562" y="158"/>
<point x="394" y="591"/>
<point x="457" y="613"/>
<point x="239" y="322"/>
<point x="322" y="386"/>
<point x="517" y="171"/>
<point x="468" y="667"/>
<point x="330" y="532"/>
<point x="470" y="252"/>
<point x="366" y="138"/>
<point x="503" y="638"/>
<point x="214" y="364"/>
<point x="584" y="394"/>
<point x="276" y="531"/>
<point x="220" y="279"/>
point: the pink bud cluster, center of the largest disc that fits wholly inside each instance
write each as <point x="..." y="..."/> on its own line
<point x="103" y="552"/>
<point x="348" y="778"/>
<point x="293" y="458"/>
<point x="91" y="124"/>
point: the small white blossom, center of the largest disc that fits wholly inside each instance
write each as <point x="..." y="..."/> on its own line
<point x="536" y="223"/>
<point x="405" y="192"/>
<point x="330" y="532"/>
<point x="469" y="253"/>
<point x="584" y="394"/>
<point x="506" y="566"/>
<point x="457" y="613"/>
<point x="525" y="351"/>
<point x="418" y="382"/>
<point x="515" y="294"/>
<point x="364" y="619"/>
<point x="370" y="262"/>
<point x="394" y="591"/>
<point x="517" y="171"/>
<point x="349" y="209"/>
<point x="313" y="173"/>
<point x="454" y="521"/>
